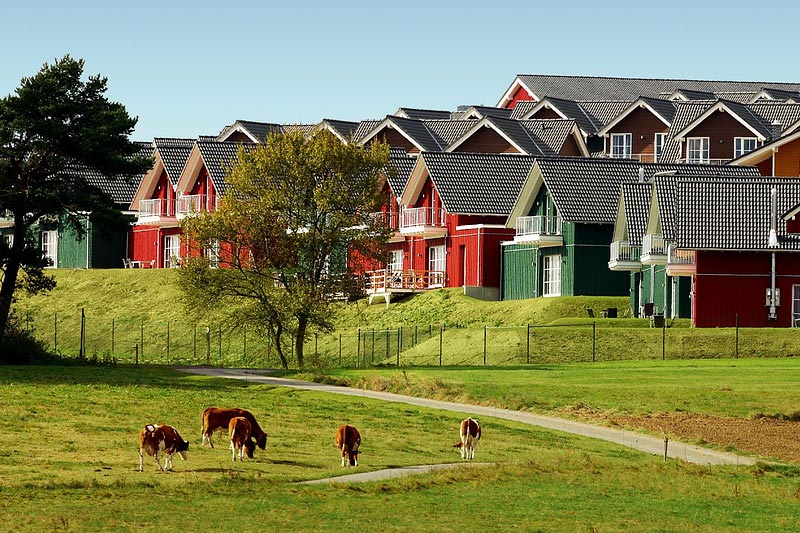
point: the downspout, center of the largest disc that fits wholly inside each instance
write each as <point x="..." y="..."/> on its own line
<point x="479" y="281"/>
<point x="88" y="238"/>
<point x="773" y="243"/>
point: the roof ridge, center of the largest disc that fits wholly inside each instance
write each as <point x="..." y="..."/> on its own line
<point x="653" y="79"/>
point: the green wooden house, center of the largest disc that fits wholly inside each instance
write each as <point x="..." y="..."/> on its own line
<point x="564" y="219"/>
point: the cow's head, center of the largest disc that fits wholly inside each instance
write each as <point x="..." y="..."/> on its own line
<point x="249" y="447"/>
<point x="262" y="441"/>
<point x="352" y="457"/>
<point x="183" y="449"/>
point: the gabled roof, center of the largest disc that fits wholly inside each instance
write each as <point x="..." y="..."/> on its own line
<point x="566" y="109"/>
<point x="582" y="88"/>
<point x="364" y="128"/>
<point x="413" y="130"/>
<point x="342" y="129"/>
<point x="738" y="111"/>
<point x="768" y="93"/>
<point x="586" y="190"/>
<point x="688" y="95"/>
<point x="634" y="204"/>
<point x="410" y="112"/>
<point x="664" y="193"/>
<point x="734" y="214"/>
<point x="256" y="131"/>
<point x="663" y="110"/>
<point x="216" y="157"/>
<point x="399" y="170"/>
<point x="173" y="154"/>
<point x="480" y="111"/>
<point x="780" y="116"/>
<point x="305" y="129"/>
<point x="475" y="184"/>
<point x="447" y="131"/>
<point x="529" y="137"/>
<point x="120" y="189"/>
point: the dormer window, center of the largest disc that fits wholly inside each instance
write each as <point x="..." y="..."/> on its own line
<point x="743" y="145"/>
<point x="697" y="150"/>
<point x="658" y="146"/>
<point x="621" y="144"/>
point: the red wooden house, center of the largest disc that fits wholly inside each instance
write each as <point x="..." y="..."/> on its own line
<point x="454" y="207"/>
<point x="746" y="240"/>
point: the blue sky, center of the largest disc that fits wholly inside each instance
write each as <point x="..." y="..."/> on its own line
<point x="189" y="68"/>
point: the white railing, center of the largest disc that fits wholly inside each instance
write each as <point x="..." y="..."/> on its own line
<point x="654" y="245"/>
<point x="680" y="257"/>
<point x="624" y="251"/>
<point x="386" y="280"/>
<point x="538" y="225"/>
<point x="195" y="203"/>
<point x="422" y="216"/>
<point x="156" y="208"/>
<point x="642" y="158"/>
<point x="389" y="220"/>
<point x="703" y="161"/>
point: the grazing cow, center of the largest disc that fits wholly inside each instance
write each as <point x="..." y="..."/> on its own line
<point x="215" y="418"/>
<point x="470" y="435"/>
<point x="155" y="438"/>
<point x="348" y="439"/>
<point x="239" y="431"/>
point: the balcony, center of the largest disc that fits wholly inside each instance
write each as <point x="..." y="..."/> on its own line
<point x="540" y="230"/>
<point x="195" y="203"/>
<point x="403" y="281"/>
<point x="428" y="222"/>
<point x="642" y="158"/>
<point x="681" y="262"/>
<point x="625" y="257"/>
<point x="6" y="218"/>
<point x="156" y="211"/>
<point x="691" y="161"/>
<point x="654" y="250"/>
<point x="390" y="220"/>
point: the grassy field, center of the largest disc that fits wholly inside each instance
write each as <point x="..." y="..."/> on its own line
<point x="140" y="311"/>
<point x="68" y="460"/>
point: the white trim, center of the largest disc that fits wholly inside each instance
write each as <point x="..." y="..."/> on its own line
<point x="388" y="123"/>
<point x="414" y="184"/>
<point x="194" y="163"/>
<point x="479" y="226"/>
<point x="703" y="150"/>
<point x="738" y="139"/>
<point x="241" y="129"/>
<point x="721" y="107"/>
<point x="638" y="104"/>
<point x="627" y="145"/>
<point x="767" y="150"/>
<point x="656" y="152"/>
<point x="509" y="94"/>
<point x="485" y="122"/>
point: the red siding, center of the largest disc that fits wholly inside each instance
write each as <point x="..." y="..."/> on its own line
<point x="143" y="243"/>
<point x="731" y="283"/>
<point x="519" y="95"/>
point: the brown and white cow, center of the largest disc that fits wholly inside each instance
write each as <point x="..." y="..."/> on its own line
<point x="239" y="432"/>
<point x="348" y="439"/>
<point x="215" y="418"/>
<point x="156" y="438"/>
<point x="470" y="435"/>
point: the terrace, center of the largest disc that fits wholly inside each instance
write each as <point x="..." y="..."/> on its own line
<point x="625" y="257"/>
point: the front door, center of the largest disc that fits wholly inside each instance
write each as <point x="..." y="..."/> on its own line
<point x="436" y="265"/>
<point x="172" y="251"/>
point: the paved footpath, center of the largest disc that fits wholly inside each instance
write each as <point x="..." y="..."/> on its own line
<point x="653" y="445"/>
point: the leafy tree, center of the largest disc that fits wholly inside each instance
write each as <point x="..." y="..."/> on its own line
<point x="54" y="123"/>
<point x="292" y="210"/>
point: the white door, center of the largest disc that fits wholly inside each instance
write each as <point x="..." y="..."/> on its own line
<point x="436" y="264"/>
<point x="50" y="247"/>
<point x="552" y="275"/>
<point x="172" y="250"/>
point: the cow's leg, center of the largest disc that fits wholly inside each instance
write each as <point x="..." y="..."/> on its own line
<point x="355" y="460"/>
<point x="155" y="457"/>
<point x="344" y="459"/>
<point x="141" y="460"/>
<point x="463" y="447"/>
<point x="168" y="462"/>
<point x="233" y="452"/>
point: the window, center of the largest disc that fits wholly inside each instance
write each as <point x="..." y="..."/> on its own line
<point x="9" y="239"/>
<point x="621" y="145"/>
<point x="658" y="146"/>
<point x="743" y="145"/>
<point x="172" y="251"/>
<point x="795" y="306"/>
<point x="212" y="254"/>
<point x="50" y="247"/>
<point x="436" y="264"/>
<point x="697" y="150"/>
<point x="552" y="275"/>
<point x="396" y="261"/>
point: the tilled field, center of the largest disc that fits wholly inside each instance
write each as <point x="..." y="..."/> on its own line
<point x="770" y="438"/>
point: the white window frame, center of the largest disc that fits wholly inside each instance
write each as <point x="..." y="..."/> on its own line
<point x="795" y="306"/>
<point x="172" y="253"/>
<point x="624" y="149"/>
<point x="437" y="262"/>
<point x="50" y="247"/>
<point x="9" y="239"/>
<point x="551" y="275"/>
<point x="396" y="261"/>
<point x="739" y="148"/>
<point x="698" y="154"/>
<point x="212" y="254"/>
<point x="659" y="141"/>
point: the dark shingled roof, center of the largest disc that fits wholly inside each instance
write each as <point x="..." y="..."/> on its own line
<point x="549" y="132"/>
<point x="734" y="214"/>
<point x="604" y="111"/>
<point x="217" y="158"/>
<point x="399" y="170"/>
<point x="305" y="129"/>
<point x="446" y="132"/>
<point x="173" y="153"/>
<point x="665" y="108"/>
<point x="479" y="184"/>
<point x="636" y="199"/>
<point x="365" y="127"/>
<point x="525" y="135"/>
<point x="257" y="130"/>
<point x="344" y="128"/>
<point x="120" y="189"/>
<point x="664" y="189"/>
<point x="582" y="88"/>
<point x="780" y="95"/>
<point x="587" y="189"/>
<point x="695" y="95"/>
<point x="410" y="112"/>
<point x="522" y="108"/>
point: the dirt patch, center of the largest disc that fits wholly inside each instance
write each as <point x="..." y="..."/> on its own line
<point x="768" y="437"/>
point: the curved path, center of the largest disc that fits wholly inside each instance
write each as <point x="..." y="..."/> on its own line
<point x="391" y="473"/>
<point x="653" y="445"/>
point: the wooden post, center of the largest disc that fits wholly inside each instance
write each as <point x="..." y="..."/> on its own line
<point x="81" y="348"/>
<point x="55" y="332"/>
<point x="136" y="354"/>
<point x="736" y="353"/>
<point x="484" y="345"/>
<point x="208" y="345"/>
<point x="340" y="349"/>
<point x="141" y="338"/>
<point x="441" y="332"/>
<point x="594" y="340"/>
<point x="528" y="345"/>
<point x="666" y="445"/>
<point x="113" y="333"/>
<point x="358" y="350"/>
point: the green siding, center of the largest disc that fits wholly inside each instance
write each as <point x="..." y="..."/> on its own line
<point x="520" y="272"/>
<point x="73" y="250"/>
<point x="588" y="249"/>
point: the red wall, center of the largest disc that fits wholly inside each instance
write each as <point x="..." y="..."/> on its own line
<point x="519" y="95"/>
<point x="728" y="283"/>
<point x="143" y="243"/>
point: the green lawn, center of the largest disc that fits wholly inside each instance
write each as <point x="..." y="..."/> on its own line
<point x="68" y="460"/>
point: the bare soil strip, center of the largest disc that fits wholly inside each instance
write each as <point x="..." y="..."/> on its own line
<point x="653" y="445"/>
<point x="391" y="473"/>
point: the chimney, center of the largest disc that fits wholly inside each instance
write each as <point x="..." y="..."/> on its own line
<point x="641" y="174"/>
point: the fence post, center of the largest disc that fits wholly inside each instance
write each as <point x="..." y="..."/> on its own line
<point x="141" y="338"/>
<point x="398" y="351"/>
<point x="219" y="336"/>
<point x="358" y="350"/>
<point x="136" y="354"/>
<point x="399" y="341"/>
<point x="373" y="345"/>
<point x="194" y="343"/>
<point x="528" y="345"/>
<point x="415" y="335"/>
<point x="81" y="348"/>
<point x="441" y="331"/>
<point x="386" y="333"/>
<point x="340" y="349"/>
<point x="244" y="342"/>
<point x="484" y="345"/>
<point x="208" y="345"/>
<point x="664" y="340"/>
<point x="167" y="341"/>
<point x="594" y="340"/>
<point x="737" y="336"/>
<point x="316" y="343"/>
<point x="113" y="335"/>
<point x="55" y="332"/>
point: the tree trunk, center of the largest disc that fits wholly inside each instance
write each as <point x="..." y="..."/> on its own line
<point x="279" y="348"/>
<point x="10" y="276"/>
<point x="302" y="326"/>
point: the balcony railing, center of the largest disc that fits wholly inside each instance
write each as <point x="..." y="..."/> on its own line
<point x="642" y="158"/>
<point x="693" y="161"/>
<point x="195" y="203"/>
<point x="416" y="217"/>
<point x="387" y="280"/>
<point x="680" y="262"/>
<point x="157" y="208"/>
<point x="654" y="245"/>
<point x="625" y="251"/>
<point x="538" y="225"/>
<point x="389" y="220"/>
